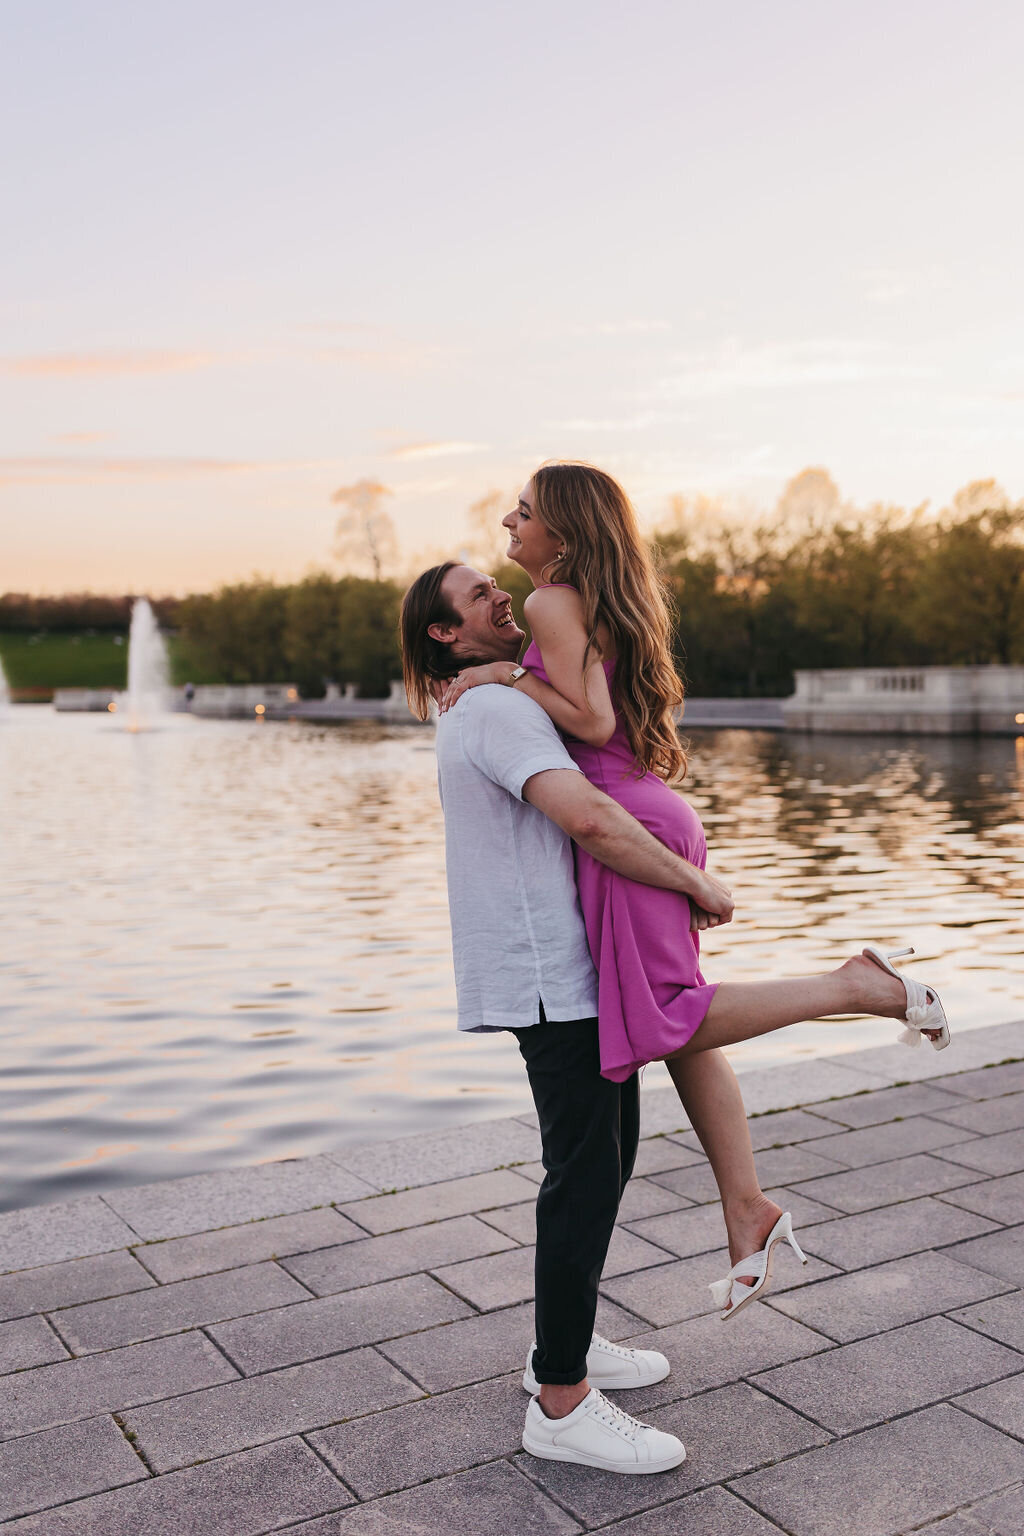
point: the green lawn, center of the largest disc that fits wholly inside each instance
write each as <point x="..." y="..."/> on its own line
<point x="63" y="661"/>
<point x="49" y="661"/>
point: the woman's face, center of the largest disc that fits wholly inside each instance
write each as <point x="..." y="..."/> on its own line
<point x="530" y="544"/>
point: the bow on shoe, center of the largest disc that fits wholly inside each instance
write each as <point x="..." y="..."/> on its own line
<point x="922" y="1013"/>
<point x="721" y="1290"/>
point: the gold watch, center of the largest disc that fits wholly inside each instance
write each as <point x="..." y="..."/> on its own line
<point x="515" y="675"/>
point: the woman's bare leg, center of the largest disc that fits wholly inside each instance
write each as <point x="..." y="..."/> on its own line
<point x="711" y="1096"/>
<point x="742" y="1010"/>
<point x="710" y="1093"/>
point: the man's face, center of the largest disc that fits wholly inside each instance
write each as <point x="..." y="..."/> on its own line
<point x="486" y="630"/>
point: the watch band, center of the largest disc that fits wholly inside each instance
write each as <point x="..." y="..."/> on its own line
<point x="515" y="675"/>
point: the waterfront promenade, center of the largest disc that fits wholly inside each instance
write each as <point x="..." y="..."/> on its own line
<point x="334" y="1346"/>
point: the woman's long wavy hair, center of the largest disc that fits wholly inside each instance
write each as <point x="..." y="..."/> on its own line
<point x="611" y="566"/>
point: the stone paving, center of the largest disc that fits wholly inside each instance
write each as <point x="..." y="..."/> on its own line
<point x="334" y="1346"/>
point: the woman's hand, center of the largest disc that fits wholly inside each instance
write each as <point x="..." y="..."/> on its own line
<point x="472" y="677"/>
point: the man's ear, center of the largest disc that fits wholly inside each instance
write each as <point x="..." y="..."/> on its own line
<point x="445" y="634"/>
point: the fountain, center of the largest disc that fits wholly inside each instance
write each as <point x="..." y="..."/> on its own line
<point x="147" y="693"/>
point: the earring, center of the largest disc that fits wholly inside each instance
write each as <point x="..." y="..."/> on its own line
<point x="560" y="555"/>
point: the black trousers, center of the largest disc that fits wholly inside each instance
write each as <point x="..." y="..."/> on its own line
<point x="589" y="1131"/>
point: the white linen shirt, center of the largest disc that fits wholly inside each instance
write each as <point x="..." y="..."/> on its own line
<point x="517" y="930"/>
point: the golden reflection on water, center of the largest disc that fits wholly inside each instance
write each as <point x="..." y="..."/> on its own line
<point x="164" y="886"/>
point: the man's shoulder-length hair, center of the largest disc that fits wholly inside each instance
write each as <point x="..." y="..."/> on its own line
<point x="424" y="658"/>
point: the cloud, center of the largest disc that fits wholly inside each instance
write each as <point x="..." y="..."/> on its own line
<point x="71" y="365"/>
<point x="625" y="328"/>
<point x="436" y="450"/>
<point x="80" y="437"/>
<point x="892" y="285"/>
<point x="59" y="469"/>
<point x="640" y="421"/>
<point x="787" y="365"/>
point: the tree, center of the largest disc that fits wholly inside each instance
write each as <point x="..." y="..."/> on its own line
<point x="364" y="533"/>
<point x="488" y="540"/>
<point x="970" y="607"/>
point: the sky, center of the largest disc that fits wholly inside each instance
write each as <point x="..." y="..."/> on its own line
<point x="254" y="253"/>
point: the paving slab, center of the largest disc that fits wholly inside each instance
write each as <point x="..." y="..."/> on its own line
<point x="493" y="1498"/>
<point x="673" y="1292"/>
<point x="242" y="1495"/>
<point x="28" y="1341"/>
<point x="783" y="1127"/>
<point x="794" y="1084"/>
<point x="889" y="1104"/>
<point x="999" y="1199"/>
<point x="697" y="1229"/>
<point x="262" y="1408"/>
<point x="726" y="1432"/>
<point x="311" y="1329"/>
<point x="508" y="1277"/>
<point x="1000" y="1253"/>
<point x="108" y="1383"/>
<point x="891" y="1373"/>
<point x="883" y="1184"/>
<point x="990" y="1154"/>
<point x="896" y="1476"/>
<point x="482" y="1347"/>
<point x="705" y="1352"/>
<point x="440" y="1155"/>
<point x="852" y="1306"/>
<point x="99" y="1325"/>
<point x="434" y="1202"/>
<point x="1001" y="1515"/>
<point x="897" y="1138"/>
<point x="61" y="1285"/>
<point x="71" y="1229"/>
<point x="181" y="1207"/>
<point x="775" y="1165"/>
<point x="853" y="1242"/>
<point x="643" y="1197"/>
<point x="971" y="1049"/>
<point x="434" y="1437"/>
<point x="661" y="1152"/>
<point x="388" y="1257"/>
<point x="713" y="1512"/>
<point x="987" y="1082"/>
<point x="989" y="1117"/>
<point x="1000" y="1317"/>
<point x="38" y="1471"/>
<point x="1001" y="1404"/>
<point x="185" y="1258"/>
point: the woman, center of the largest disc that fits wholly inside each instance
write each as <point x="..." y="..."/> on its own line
<point x="600" y="664"/>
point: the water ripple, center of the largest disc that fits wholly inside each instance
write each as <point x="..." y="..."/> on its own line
<point x="225" y="943"/>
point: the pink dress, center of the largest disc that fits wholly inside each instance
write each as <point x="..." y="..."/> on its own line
<point x="651" y="994"/>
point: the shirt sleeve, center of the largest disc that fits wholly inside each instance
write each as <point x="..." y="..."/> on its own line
<point x="508" y="737"/>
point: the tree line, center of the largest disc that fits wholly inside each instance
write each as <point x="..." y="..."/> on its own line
<point x="815" y="584"/>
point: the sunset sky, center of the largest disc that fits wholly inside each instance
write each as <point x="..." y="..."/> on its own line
<point x="254" y="252"/>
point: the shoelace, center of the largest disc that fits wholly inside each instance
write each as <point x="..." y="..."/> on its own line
<point x="607" y="1347"/>
<point x="623" y="1423"/>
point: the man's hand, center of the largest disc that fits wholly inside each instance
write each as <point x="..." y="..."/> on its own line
<point x="711" y="898"/>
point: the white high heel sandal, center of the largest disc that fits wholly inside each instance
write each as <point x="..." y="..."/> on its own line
<point x="924" y="1011"/>
<point x="733" y="1296"/>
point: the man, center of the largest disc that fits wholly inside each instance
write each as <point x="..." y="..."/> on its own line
<point x="512" y="799"/>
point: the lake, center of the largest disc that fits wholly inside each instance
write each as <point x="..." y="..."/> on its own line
<point x="227" y="941"/>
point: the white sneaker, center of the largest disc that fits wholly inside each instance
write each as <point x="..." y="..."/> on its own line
<point x="598" y="1434"/>
<point x="610" y="1367"/>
